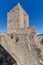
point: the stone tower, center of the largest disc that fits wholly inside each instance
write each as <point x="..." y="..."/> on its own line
<point x="18" y="45"/>
<point x="17" y="19"/>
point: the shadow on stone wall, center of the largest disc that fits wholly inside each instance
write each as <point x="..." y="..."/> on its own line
<point x="5" y="57"/>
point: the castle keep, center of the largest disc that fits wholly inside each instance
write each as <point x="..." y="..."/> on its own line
<point x="19" y="40"/>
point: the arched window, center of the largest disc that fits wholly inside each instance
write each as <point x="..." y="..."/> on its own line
<point x="17" y="39"/>
<point x="11" y="36"/>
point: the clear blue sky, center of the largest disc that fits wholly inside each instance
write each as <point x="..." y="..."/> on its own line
<point x="34" y="8"/>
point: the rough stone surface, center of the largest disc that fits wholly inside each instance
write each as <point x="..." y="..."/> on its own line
<point x="21" y="40"/>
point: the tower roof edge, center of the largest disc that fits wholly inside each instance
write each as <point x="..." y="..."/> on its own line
<point x="18" y="4"/>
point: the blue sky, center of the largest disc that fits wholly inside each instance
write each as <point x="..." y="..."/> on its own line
<point x="34" y="8"/>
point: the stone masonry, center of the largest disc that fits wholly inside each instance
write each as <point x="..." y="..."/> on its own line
<point x="20" y="40"/>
